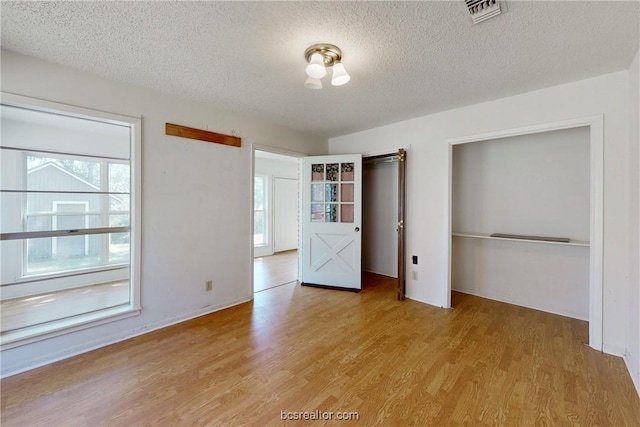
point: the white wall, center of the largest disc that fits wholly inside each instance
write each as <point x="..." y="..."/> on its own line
<point x="428" y="180"/>
<point x="548" y="277"/>
<point x="380" y="218"/>
<point x="536" y="184"/>
<point x="632" y="356"/>
<point x="273" y="169"/>
<point x="196" y="202"/>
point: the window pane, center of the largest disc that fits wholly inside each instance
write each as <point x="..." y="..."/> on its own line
<point x="63" y="254"/>
<point x="347" y="172"/>
<point x="346" y="192"/>
<point x="317" y="212"/>
<point x="332" y="193"/>
<point x="63" y="173"/>
<point x="119" y="248"/>
<point x="118" y="202"/>
<point x="346" y="213"/>
<point x="331" y="213"/>
<point x="40" y="223"/>
<point x="332" y="172"/>
<point x="71" y="222"/>
<point x="119" y="178"/>
<point x="259" y="232"/>
<point x="118" y="220"/>
<point x="258" y="193"/>
<point x="317" y="172"/>
<point x="317" y="192"/>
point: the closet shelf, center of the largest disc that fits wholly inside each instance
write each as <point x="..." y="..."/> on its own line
<point x="488" y="237"/>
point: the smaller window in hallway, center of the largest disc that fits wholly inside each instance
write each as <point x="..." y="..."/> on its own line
<point x="260" y="210"/>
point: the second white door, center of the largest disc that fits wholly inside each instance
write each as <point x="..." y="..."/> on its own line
<point x="285" y="214"/>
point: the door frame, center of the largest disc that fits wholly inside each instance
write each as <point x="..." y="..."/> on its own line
<point x="596" y="210"/>
<point x="401" y="155"/>
<point x="401" y="284"/>
<point x="289" y="153"/>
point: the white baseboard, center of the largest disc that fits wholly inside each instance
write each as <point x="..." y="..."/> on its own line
<point x="112" y="339"/>
<point x="416" y="299"/>
<point x="613" y="350"/>
<point x="634" y="373"/>
<point x="381" y="274"/>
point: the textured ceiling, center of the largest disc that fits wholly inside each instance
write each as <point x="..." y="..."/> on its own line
<point x="406" y="59"/>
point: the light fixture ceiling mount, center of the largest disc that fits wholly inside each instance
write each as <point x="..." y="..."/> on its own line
<point x="330" y="53"/>
<point x="320" y="56"/>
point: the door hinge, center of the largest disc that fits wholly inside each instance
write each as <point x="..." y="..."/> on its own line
<point x="401" y="156"/>
<point x="400" y="224"/>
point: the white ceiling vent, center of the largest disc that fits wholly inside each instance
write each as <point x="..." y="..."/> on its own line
<point x="482" y="10"/>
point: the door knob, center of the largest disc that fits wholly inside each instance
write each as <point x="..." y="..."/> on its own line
<point x="357" y="229"/>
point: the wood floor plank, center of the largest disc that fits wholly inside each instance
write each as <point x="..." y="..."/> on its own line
<point x="275" y="270"/>
<point x="305" y="349"/>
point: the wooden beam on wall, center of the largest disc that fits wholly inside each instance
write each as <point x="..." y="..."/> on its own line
<point x="202" y="135"/>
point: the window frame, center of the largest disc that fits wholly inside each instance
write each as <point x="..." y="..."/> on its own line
<point x="64" y="326"/>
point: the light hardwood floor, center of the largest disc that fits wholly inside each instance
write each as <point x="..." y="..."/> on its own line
<point x="275" y="270"/>
<point x="304" y="349"/>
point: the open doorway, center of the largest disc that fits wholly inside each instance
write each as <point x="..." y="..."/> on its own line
<point x="275" y="213"/>
<point x="383" y="205"/>
<point x="380" y="217"/>
<point x="332" y="221"/>
<point x="269" y="256"/>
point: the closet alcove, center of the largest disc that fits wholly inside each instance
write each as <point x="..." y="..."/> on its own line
<point x="532" y="184"/>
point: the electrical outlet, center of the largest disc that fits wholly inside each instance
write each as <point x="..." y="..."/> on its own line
<point x="414" y="275"/>
<point x="208" y="285"/>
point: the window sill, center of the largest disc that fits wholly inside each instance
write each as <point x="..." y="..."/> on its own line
<point x="37" y="333"/>
<point x="64" y="274"/>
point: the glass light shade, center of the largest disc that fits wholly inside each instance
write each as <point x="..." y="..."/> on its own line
<point x="312" y="83"/>
<point x="316" y="68"/>
<point x="340" y="75"/>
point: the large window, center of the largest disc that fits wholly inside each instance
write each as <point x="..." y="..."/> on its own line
<point x="70" y="217"/>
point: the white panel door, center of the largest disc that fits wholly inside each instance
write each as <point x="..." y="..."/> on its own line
<point x="285" y="214"/>
<point x="331" y="221"/>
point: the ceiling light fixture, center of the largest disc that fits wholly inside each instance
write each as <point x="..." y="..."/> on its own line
<point x="320" y="56"/>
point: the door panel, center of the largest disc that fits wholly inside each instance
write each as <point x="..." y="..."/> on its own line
<point x="285" y="214"/>
<point x="331" y="221"/>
